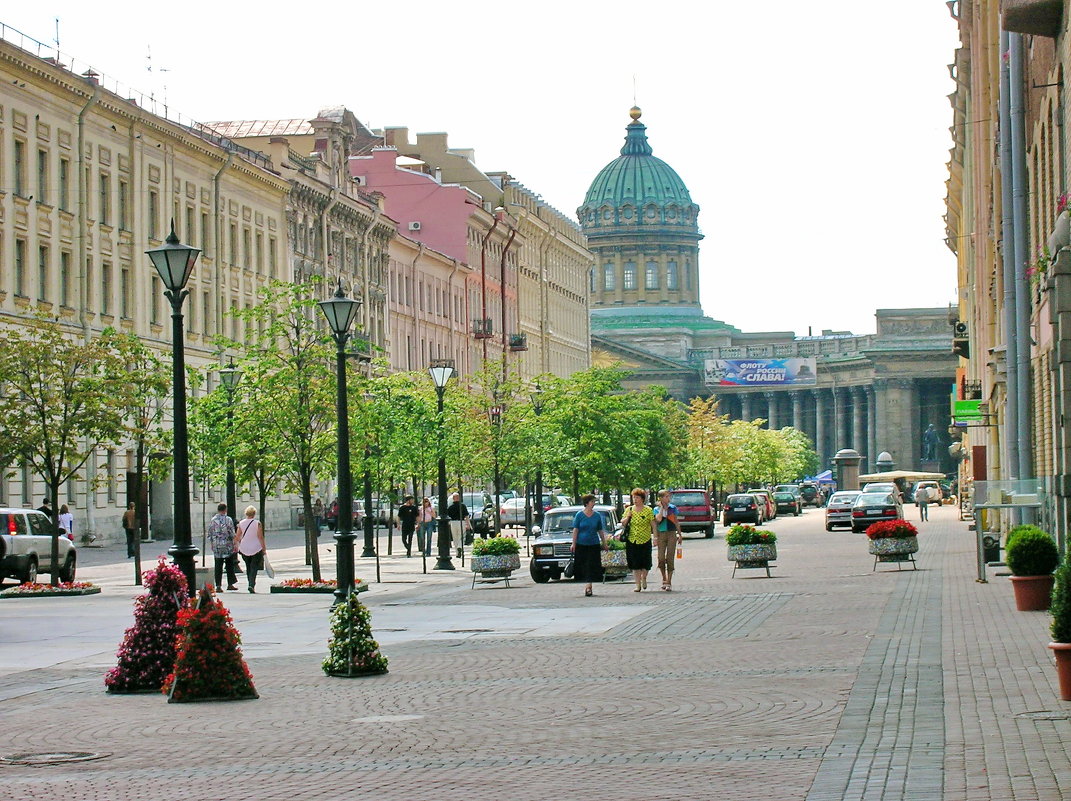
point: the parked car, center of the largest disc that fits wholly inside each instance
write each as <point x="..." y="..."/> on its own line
<point x="511" y="512"/>
<point x="743" y="507"/>
<point x="839" y="508"/>
<point x="764" y="494"/>
<point x="793" y="488"/>
<point x="873" y="507"/>
<point x="810" y="494"/>
<point x="26" y="546"/>
<point x="787" y="502"/>
<point x="694" y="511"/>
<point x="551" y="551"/>
<point x="936" y="494"/>
<point x="884" y="486"/>
<point x="481" y="511"/>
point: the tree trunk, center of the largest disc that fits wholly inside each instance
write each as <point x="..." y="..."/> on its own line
<point x="311" y="547"/>
<point x="53" y="494"/>
<point x="140" y="513"/>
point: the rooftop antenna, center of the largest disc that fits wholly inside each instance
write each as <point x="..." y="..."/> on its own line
<point x="56" y="40"/>
<point x="148" y="59"/>
<point x="634" y="90"/>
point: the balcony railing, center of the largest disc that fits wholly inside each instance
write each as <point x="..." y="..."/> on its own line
<point x="482" y="329"/>
<point x="518" y="342"/>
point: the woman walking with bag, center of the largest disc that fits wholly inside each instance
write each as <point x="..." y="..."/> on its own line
<point x="669" y="537"/>
<point x="589" y="540"/>
<point x="638" y="526"/>
<point x="251" y="545"/>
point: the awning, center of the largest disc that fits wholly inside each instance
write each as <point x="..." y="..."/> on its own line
<point x="906" y="475"/>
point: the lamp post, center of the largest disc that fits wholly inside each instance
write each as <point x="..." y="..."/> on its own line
<point x="174" y="262"/>
<point x="230" y="376"/>
<point x="441" y="370"/>
<point x="537" y="407"/>
<point x="340" y="312"/>
<point x="494" y="414"/>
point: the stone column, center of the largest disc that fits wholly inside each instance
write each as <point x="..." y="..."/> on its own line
<point x="820" y="428"/>
<point x="797" y="411"/>
<point x="871" y="430"/>
<point x="745" y="406"/>
<point x="897" y="413"/>
<point x="772" y="413"/>
<point x="838" y="420"/>
<point x="858" y="421"/>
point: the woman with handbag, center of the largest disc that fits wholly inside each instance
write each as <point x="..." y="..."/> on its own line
<point x="589" y="540"/>
<point x="639" y="530"/>
<point x="251" y="545"/>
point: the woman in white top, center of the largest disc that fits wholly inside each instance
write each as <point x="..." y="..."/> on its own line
<point x="66" y="522"/>
<point x="250" y="537"/>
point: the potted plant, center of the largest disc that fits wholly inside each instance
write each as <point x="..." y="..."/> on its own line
<point x="751" y="548"/>
<point x="494" y="559"/>
<point x="1031" y="556"/>
<point x="613" y="558"/>
<point x="1061" y="229"/>
<point x="893" y="541"/>
<point x="1061" y="627"/>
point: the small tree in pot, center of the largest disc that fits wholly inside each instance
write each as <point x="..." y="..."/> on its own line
<point x="1031" y="556"/>
<point x="1061" y="627"/>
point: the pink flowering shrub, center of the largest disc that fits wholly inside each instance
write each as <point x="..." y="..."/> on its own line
<point x="147" y="653"/>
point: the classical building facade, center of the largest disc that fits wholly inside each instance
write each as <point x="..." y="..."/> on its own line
<point x="874" y="393"/>
<point x="89" y="180"/>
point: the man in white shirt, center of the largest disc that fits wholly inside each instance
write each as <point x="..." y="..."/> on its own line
<point x="922" y="500"/>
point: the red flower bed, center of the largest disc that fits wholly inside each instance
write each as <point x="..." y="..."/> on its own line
<point x="74" y="587"/>
<point x="888" y="529"/>
<point x="304" y="583"/>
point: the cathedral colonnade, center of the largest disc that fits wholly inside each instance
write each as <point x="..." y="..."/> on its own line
<point x="883" y="415"/>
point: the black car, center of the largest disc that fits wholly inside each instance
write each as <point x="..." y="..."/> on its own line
<point x="787" y="502"/>
<point x="810" y="495"/>
<point x="742" y="508"/>
<point x="874" y="507"/>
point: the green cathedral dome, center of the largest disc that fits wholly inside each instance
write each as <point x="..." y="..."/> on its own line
<point x="637" y="188"/>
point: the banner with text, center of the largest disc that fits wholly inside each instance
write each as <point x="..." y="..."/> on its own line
<point x="799" y="372"/>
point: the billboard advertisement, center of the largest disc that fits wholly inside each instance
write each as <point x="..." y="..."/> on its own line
<point x="796" y="372"/>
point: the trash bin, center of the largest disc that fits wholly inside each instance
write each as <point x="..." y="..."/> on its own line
<point x="990" y="547"/>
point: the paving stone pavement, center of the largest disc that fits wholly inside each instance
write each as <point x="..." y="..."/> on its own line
<point x="830" y="680"/>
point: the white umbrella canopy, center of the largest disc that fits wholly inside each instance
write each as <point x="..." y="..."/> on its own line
<point x="907" y="475"/>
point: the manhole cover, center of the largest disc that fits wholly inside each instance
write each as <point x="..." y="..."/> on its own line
<point x="466" y="631"/>
<point x="50" y="758"/>
<point x="1044" y="715"/>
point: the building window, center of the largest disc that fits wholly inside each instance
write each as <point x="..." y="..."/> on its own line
<point x="206" y="310"/>
<point x="609" y="277"/>
<point x="247" y="250"/>
<point x="651" y="275"/>
<point x="154" y="301"/>
<point x="27" y="484"/>
<point x="109" y="465"/>
<point x="273" y="265"/>
<point x="204" y="230"/>
<point x="88" y="300"/>
<point x="124" y="293"/>
<point x="64" y="198"/>
<point x="234" y="244"/>
<point x="154" y="214"/>
<point x="105" y="215"/>
<point x="105" y="287"/>
<point x="20" y="168"/>
<point x="65" y="279"/>
<point x="124" y="205"/>
<point x="259" y="263"/>
<point x="42" y="176"/>
<point x="591" y="280"/>
<point x="20" y="267"/>
<point x="630" y="275"/>
<point x="42" y="272"/>
<point x="671" y="276"/>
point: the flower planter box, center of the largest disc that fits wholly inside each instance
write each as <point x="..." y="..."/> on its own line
<point x="614" y="561"/>
<point x="1033" y="593"/>
<point x="46" y="591"/>
<point x="752" y="557"/>
<point x="497" y="567"/>
<point x="322" y="587"/>
<point x="894" y="549"/>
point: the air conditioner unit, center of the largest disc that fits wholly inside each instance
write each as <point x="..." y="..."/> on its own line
<point x="959" y="329"/>
<point x="414" y="226"/>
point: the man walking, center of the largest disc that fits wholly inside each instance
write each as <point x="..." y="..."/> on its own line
<point x="130" y="528"/>
<point x="922" y="500"/>
<point x="459" y="521"/>
<point x="407" y="517"/>
<point x="221" y="535"/>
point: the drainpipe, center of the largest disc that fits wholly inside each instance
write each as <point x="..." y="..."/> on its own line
<point x="366" y="283"/>
<point x="1024" y="426"/>
<point x="483" y="277"/>
<point x="453" y="328"/>
<point x="1009" y="264"/>
<point x="217" y="267"/>
<point x="502" y="289"/>
<point x="83" y="280"/>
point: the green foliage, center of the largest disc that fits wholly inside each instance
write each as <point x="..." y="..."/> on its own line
<point x="1061" y="603"/>
<point x="1017" y="530"/>
<point x="615" y="545"/>
<point x="749" y="535"/>
<point x="351" y="650"/>
<point x="1031" y="553"/>
<point x="495" y="546"/>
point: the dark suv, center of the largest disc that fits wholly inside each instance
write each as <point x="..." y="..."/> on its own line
<point x="550" y="551"/>
<point x="694" y="512"/>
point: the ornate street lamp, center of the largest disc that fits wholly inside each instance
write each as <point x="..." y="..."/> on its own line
<point x="340" y="312"/>
<point x="441" y="371"/>
<point x="537" y="407"/>
<point x="174" y="262"/>
<point x="230" y="376"/>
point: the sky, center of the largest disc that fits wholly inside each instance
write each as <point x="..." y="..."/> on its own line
<point x="813" y="136"/>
